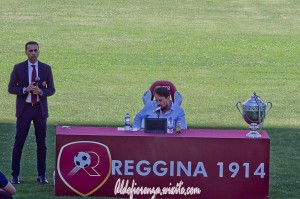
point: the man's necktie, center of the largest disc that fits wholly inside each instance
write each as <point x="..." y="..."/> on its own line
<point x="33" y="76"/>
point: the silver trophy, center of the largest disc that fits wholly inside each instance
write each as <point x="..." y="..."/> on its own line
<point x="254" y="113"/>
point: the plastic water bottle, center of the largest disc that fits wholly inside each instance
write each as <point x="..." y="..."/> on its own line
<point x="178" y="127"/>
<point x="170" y="125"/>
<point x="143" y="123"/>
<point x="54" y="178"/>
<point x="127" y="122"/>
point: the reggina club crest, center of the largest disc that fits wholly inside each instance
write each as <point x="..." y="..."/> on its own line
<point x="84" y="160"/>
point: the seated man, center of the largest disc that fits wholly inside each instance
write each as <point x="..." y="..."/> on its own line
<point x="6" y="188"/>
<point x="162" y="107"/>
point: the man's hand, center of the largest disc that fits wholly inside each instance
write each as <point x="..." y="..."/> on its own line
<point x="32" y="88"/>
<point x="36" y="90"/>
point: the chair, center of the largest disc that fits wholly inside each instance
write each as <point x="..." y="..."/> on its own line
<point x="175" y="95"/>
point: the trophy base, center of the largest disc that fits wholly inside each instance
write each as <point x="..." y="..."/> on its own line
<point x="253" y="134"/>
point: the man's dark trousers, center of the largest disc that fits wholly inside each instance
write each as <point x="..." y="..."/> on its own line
<point x="30" y="113"/>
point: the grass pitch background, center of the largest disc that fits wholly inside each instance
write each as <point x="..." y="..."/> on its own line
<point x="105" y="54"/>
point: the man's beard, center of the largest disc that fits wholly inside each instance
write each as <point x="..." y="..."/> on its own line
<point x="164" y="107"/>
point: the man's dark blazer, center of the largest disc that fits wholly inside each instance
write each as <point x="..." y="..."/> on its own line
<point x="19" y="79"/>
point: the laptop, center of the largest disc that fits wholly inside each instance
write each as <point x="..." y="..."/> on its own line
<point x="155" y="125"/>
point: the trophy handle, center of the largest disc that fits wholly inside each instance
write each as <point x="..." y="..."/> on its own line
<point x="237" y="106"/>
<point x="269" y="108"/>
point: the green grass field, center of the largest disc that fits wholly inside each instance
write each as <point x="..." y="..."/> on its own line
<point x="105" y="54"/>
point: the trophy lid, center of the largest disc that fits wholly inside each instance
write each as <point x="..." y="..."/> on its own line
<point x="254" y="101"/>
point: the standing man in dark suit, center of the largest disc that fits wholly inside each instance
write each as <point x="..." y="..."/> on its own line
<point x="32" y="82"/>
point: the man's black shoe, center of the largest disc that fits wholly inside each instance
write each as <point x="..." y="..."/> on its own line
<point x="15" y="180"/>
<point x="42" y="180"/>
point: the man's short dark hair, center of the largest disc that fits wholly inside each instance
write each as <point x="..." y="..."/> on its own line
<point x="31" y="42"/>
<point x="162" y="91"/>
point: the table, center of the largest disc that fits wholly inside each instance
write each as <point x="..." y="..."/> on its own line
<point x="198" y="163"/>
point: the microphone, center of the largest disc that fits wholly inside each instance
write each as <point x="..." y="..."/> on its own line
<point x="37" y="79"/>
<point x="157" y="111"/>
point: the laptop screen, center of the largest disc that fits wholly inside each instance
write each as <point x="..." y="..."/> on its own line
<point x="155" y="125"/>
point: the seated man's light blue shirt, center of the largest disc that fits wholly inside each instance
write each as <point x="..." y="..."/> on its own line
<point x="176" y="113"/>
